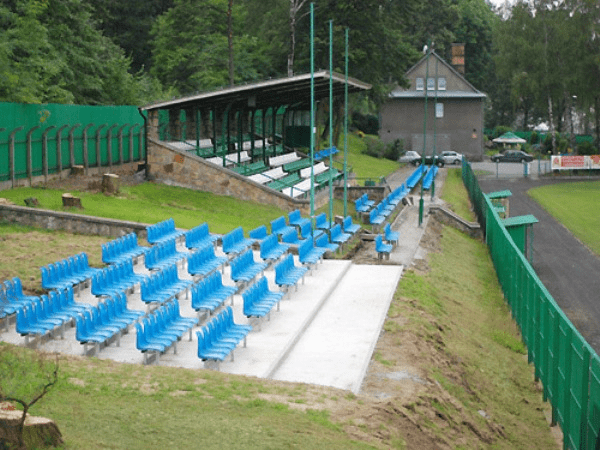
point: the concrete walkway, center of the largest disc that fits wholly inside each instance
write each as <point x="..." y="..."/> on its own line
<point x="324" y="332"/>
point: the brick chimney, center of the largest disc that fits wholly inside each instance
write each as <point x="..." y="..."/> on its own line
<point x="458" y="57"/>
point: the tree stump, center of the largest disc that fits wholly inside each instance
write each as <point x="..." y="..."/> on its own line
<point x="78" y="171"/>
<point x="38" y="432"/>
<point x="70" y="201"/>
<point x="110" y="183"/>
<point x="32" y="202"/>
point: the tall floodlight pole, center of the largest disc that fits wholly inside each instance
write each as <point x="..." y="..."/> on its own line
<point x="346" y="130"/>
<point x="330" y="122"/>
<point x="421" y="201"/>
<point x="434" y="125"/>
<point x="312" y="111"/>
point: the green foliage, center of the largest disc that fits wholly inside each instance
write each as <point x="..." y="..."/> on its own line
<point x="500" y="130"/>
<point x="586" y="148"/>
<point x="52" y="51"/>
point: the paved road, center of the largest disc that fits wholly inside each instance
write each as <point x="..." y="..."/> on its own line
<point x="568" y="269"/>
<point x="511" y="170"/>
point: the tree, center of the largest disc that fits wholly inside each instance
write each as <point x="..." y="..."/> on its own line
<point x="128" y="24"/>
<point x="26" y="378"/>
<point x="191" y="43"/>
<point x="295" y="9"/>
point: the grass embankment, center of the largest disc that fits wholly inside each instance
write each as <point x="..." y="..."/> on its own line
<point x="576" y="206"/>
<point x="151" y="203"/>
<point x="464" y="339"/>
<point x="364" y="166"/>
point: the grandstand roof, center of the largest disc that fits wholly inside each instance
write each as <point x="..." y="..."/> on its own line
<point x="264" y="94"/>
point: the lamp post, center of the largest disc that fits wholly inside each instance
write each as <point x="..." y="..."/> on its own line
<point x="421" y="201"/>
<point x="573" y="99"/>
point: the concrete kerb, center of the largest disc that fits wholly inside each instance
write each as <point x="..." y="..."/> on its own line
<point x="300" y="331"/>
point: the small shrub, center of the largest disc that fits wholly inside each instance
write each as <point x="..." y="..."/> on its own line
<point x="394" y="150"/>
<point x="586" y="148"/>
<point x="374" y="147"/>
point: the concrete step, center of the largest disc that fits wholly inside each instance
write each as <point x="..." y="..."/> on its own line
<point x="336" y="348"/>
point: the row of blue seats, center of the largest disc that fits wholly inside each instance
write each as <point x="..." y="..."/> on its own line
<point x="383" y="210"/>
<point x="204" y="261"/>
<point x="259" y="299"/>
<point x="200" y="236"/>
<point x="99" y="325"/>
<point x="12" y="298"/>
<point x="325" y="153"/>
<point x="67" y="272"/>
<point x="164" y="255"/>
<point x="210" y="293"/>
<point x="220" y="336"/>
<point x="391" y="238"/>
<point x="309" y="255"/>
<point x="122" y="249"/>
<point x="163" y="286"/>
<point x="244" y="269"/>
<point x="429" y="177"/>
<point x="47" y="314"/>
<point x="163" y="231"/>
<point x="414" y="177"/>
<point x="271" y="249"/>
<point x="158" y="332"/>
<point x="115" y="278"/>
<point x="287" y="274"/>
<point x="362" y="204"/>
<point x="234" y="242"/>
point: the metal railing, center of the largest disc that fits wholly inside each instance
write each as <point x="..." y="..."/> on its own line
<point x="567" y="366"/>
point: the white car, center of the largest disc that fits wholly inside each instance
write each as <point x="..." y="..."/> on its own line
<point x="409" y="157"/>
<point x="451" y="157"/>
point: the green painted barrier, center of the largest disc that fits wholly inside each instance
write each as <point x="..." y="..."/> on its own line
<point x="566" y="365"/>
<point x="44" y="139"/>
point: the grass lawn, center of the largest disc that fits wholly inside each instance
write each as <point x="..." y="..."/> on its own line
<point x="364" y="166"/>
<point x="151" y="203"/>
<point x="576" y="206"/>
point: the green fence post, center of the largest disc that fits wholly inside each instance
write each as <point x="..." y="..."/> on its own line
<point x="45" y="151"/>
<point x="98" y="147"/>
<point x="109" y="144"/>
<point x="86" y="162"/>
<point x="120" y="138"/>
<point x="72" y="145"/>
<point x="59" y="150"/>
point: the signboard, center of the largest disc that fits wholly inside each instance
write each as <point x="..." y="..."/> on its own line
<point x="575" y="162"/>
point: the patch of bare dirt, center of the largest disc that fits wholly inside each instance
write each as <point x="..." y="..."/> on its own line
<point x="128" y="175"/>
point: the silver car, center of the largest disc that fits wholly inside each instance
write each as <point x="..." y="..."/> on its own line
<point x="409" y="157"/>
<point x="451" y="157"/>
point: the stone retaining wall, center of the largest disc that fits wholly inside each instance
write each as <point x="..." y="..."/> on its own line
<point x="72" y="223"/>
<point x="173" y="167"/>
<point x="450" y="218"/>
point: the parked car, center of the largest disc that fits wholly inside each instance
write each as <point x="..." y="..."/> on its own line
<point x="451" y="157"/>
<point x="409" y="156"/>
<point x="512" y="156"/>
<point x="430" y="160"/>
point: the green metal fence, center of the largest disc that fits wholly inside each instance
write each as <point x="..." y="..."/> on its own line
<point x="40" y="140"/>
<point x="567" y="366"/>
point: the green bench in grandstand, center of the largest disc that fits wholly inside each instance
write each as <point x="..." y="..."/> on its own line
<point x="297" y="165"/>
<point x="251" y="169"/>
<point x="323" y="177"/>
<point x="287" y="181"/>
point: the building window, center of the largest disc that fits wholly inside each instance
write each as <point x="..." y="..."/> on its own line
<point x="442" y="83"/>
<point x="439" y="110"/>
<point x="431" y="84"/>
<point x="419" y="84"/>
